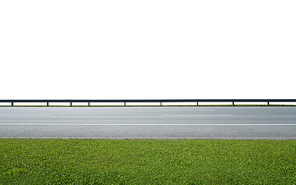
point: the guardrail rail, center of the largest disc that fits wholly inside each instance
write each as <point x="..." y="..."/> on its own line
<point x="124" y="101"/>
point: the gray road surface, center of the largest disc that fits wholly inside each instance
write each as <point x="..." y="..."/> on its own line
<point x="149" y="122"/>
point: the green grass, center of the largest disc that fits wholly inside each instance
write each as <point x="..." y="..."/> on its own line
<point x="74" y="161"/>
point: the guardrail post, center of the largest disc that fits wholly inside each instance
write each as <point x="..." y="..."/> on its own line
<point x="89" y="104"/>
<point x="12" y="103"/>
<point x="196" y="103"/>
<point x="160" y="103"/>
<point x="233" y="103"/>
<point x="268" y="103"/>
<point x="47" y="103"/>
<point x="124" y="103"/>
<point x="70" y="104"/>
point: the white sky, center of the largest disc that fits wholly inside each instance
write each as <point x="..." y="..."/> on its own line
<point x="147" y="49"/>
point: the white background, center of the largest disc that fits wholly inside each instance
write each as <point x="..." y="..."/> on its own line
<point x="147" y="49"/>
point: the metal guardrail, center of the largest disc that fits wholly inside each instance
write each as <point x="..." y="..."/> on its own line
<point x="139" y="100"/>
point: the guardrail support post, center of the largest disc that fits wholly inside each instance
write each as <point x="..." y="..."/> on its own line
<point x="70" y="104"/>
<point x="124" y="103"/>
<point x="89" y="104"/>
<point x="160" y="103"/>
<point x="12" y="103"/>
<point x="233" y="103"/>
<point x="196" y="103"/>
<point x="268" y="103"/>
<point x="47" y="103"/>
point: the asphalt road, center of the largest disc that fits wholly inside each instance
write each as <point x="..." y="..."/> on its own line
<point x="149" y="122"/>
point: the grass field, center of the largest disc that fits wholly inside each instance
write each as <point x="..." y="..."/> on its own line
<point x="74" y="161"/>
